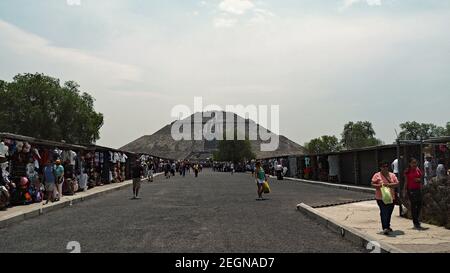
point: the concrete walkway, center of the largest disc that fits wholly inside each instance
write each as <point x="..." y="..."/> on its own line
<point x="19" y="213"/>
<point x="364" y="217"/>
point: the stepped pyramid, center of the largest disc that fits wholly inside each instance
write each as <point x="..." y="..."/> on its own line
<point x="162" y="144"/>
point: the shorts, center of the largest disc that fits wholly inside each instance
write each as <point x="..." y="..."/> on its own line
<point x="260" y="181"/>
<point x="136" y="182"/>
<point x="49" y="187"/>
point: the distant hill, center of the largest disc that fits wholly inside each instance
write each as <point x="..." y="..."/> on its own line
<point x="163" y="145"/>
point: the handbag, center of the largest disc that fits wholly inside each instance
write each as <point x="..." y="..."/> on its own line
<point x="386" y="195"/>
<point x="395" y="197"/>
<point x="266" y="187"/>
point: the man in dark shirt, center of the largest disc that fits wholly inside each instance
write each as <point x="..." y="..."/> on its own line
<point x="137" y="173"/>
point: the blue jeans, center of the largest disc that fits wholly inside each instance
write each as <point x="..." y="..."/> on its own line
<point x="385" y="214"/>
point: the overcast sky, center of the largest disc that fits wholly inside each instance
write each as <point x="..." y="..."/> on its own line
<point x="325" y="62"/>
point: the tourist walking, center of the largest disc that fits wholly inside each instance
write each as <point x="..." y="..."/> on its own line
<point x="387" y="180"/>
<point x="260" y="177"/>
<point x="146" y="169"/>
<point x="413" y="189"/>
<point x="173" y="169"/>
<point x="196" y="170"/>
<point x="151" y="171"/>
<point x="138" y="174"/>
<point x="183" y="169"/>
<point x="167" y="169"/>
<point x="279" y="170"/>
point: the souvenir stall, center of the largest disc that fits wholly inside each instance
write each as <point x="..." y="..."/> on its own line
<point x="22" y="162"/>
<point x="111" y="165"/>
<point x="22" y="159"/>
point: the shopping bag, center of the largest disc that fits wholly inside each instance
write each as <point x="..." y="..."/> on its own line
<point x="266" y="187"/>
<point x="386" y="195"/>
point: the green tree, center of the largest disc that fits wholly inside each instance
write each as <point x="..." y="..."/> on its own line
<point x="37" y="105"/>
<point x="234" y="150"/>
<point x="413" y="130"/>
<point x="359" y="135"/>
<point x="323" y="144"/>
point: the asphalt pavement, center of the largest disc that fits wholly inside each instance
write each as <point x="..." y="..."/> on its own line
<point x="214" y="213"/>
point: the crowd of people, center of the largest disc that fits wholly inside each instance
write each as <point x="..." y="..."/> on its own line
<point x="171" y="167"/>
<point x="42" y="172"/>
<point x="228" y="167"/>
<point x="146" y="166"/>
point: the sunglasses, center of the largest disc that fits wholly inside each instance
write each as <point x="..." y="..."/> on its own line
<point x="385" y="166"/>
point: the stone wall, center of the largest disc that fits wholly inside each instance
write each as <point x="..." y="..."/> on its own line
<point x="436" y="203"/>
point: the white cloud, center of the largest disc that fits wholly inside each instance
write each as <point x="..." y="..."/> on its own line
<point x="349" y="3"/>
<point x="233" y="11"/>
<point x="237" y="7"/>
<point x="32" y="47"/>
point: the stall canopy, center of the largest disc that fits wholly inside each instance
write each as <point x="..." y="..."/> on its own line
<point x="42" y="142"/>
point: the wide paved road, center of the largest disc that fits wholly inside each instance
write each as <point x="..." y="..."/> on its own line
<point x="216" y="212"/>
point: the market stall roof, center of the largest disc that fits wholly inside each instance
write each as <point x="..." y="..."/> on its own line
<point x="371" y="148"/>
<point x="42" y="142"/>
<point x="436" y="140"/>
<point x="281" y="155"/>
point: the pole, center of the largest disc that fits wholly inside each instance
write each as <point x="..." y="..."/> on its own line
<point x="400" y="171"/>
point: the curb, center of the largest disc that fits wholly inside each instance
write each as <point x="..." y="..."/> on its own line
<point x="348" y="233"/>
<point x="343" y="203"/>
<point x="62" y="204"/>
<point x="331" y="185"/>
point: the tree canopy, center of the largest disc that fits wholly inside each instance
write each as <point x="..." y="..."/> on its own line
<point x="39" y="106"/>
<point x="234" y="150"/>
<point x="358" y="135"/>
<point x="323" y="144"/>
<point x="413" y="130"/>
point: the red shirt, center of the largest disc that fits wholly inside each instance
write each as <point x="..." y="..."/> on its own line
<point x="411" y="176"/>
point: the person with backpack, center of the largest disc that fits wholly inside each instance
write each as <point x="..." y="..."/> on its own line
<point x="385" y="183"/>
